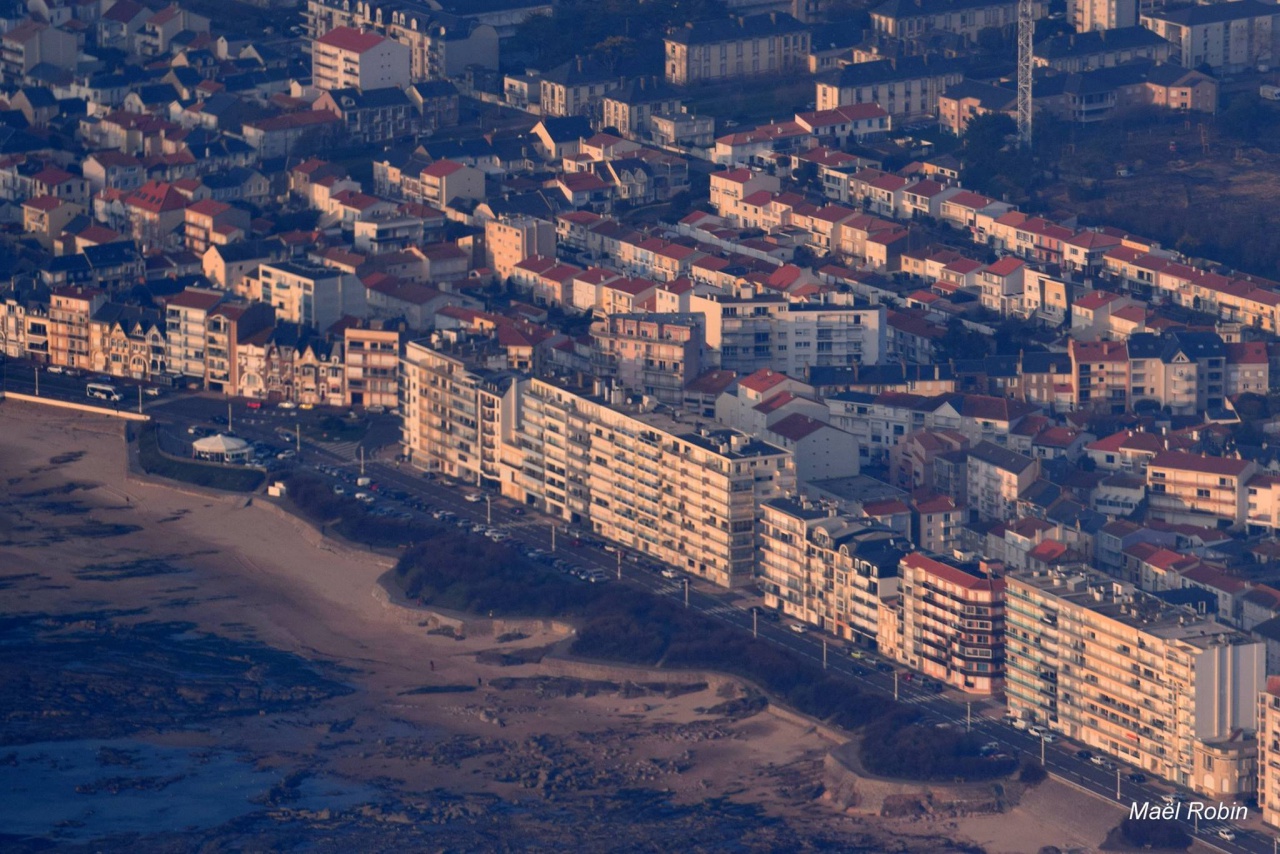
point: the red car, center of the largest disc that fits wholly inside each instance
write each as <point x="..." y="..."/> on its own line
<point x="254" y="404"/>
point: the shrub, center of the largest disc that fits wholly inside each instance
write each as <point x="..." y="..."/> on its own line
<point x="1154" y="833"/>
<point x="898" y="746"/>
<point x="1032" y="773"/>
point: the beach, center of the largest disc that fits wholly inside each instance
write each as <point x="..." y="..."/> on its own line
<point x="337" y="718"/>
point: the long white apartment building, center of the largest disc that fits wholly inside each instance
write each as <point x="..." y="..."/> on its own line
<point x="748" y="332"/>
<point x="1156" y="686"/>
<point x="684" y="492"/>
<point x="456" y="414"/>
<point x="679" y="490"/>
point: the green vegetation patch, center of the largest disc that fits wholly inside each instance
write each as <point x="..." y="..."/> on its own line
<point x="902" y="746"/>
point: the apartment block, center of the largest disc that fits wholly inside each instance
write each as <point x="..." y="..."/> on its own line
<point x="747" y="333"/>
<point x="372" y="357"/>
<point x="225" y="326"/>
<point x="457" y="415"/>
<point x="734" y="48"/>
<point x="1198" y="489"/>
<point x="186" y="315"/>
<point x="905" y="19"/>
<point x="1269" y="752"/>
<point x="683" y="492"/>
<point x="953" y="623"/>
<point x="70" y="311"/>
<point x="346" y="58"/>
<point x="651" y="354"/>
<point x="307" y="295"/>
<point x="510" y="240"/>
<point x="1154" y="685"/>
<point x="996" y="477"/>
<point x="906" y="87"/>
<point x="827" y="570"/>
<point x="1227" y="37"/>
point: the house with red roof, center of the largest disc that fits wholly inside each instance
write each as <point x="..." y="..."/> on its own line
<point x="446" y="180"/>
<point x="1125" y="451"/>
<point x="156" y="213"/>
<point x="973" y="212"/>
<point x="835" y="127"/>
<point x="45" y="218"/>
<point x="730" y="187"/>
<point x="586" y="288"/>
<point x="157" y="34"/>
<point x="1085" y="251"/>
<point x="756" y="147"/>
<point x="210" y="222"/>
<point x="60" y="184"/>
<point x="1091" y="312"/>
<point x="820" y="451"/>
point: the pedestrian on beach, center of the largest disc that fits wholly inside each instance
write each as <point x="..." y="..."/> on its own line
<point x="433" y="667"/>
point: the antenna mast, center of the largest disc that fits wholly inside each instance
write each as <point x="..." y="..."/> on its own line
<point x="1026" y="36"/>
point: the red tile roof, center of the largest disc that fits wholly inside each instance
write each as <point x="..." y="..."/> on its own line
<point x="950" y="574"/>
<point x="1229" y="466"/>
<point x="156" y="197"/>
<point x="349" y="39"/>
<point x="796" y="427"/>
<point x="763" y="380"/>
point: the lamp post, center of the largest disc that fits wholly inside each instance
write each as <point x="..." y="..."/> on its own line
<point x="895" y="686"/>
<point x="686" y="593"/>
<point x="619" y="564"/>
<point x="488" y="510"/>
<point x="755" y="622"/>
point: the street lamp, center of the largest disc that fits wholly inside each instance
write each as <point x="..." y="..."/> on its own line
<point x="488" y="510"/>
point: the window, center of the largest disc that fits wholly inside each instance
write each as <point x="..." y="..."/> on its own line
<point x="1202" y="493"/>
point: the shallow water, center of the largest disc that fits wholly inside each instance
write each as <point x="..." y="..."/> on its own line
<point x="86" y="789"/>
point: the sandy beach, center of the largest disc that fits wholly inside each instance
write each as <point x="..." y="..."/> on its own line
<point x="420" y="745"/>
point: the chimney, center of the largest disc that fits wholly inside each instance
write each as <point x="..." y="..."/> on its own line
<point x="579" y="64"/>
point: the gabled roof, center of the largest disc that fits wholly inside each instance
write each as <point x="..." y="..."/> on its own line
<point x="763" y="380"/>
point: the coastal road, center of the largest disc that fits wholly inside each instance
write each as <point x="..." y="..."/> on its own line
<point x="945" y="708"/>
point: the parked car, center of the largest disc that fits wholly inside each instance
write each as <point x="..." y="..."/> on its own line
<point x="670" y="573"/>
<point x="857" y="653"/>
<point x="1137" y="777"/>
<point x="55" y="369"/>
<point x="153" y="391"/>
<point x="473" y="498"/>
<point x="1227" y="834"/>
<point x="286" y="404"/>
<point x="1084" y="755"/>
<point x="884" y="667"/>
<point x="797" y="628"/>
